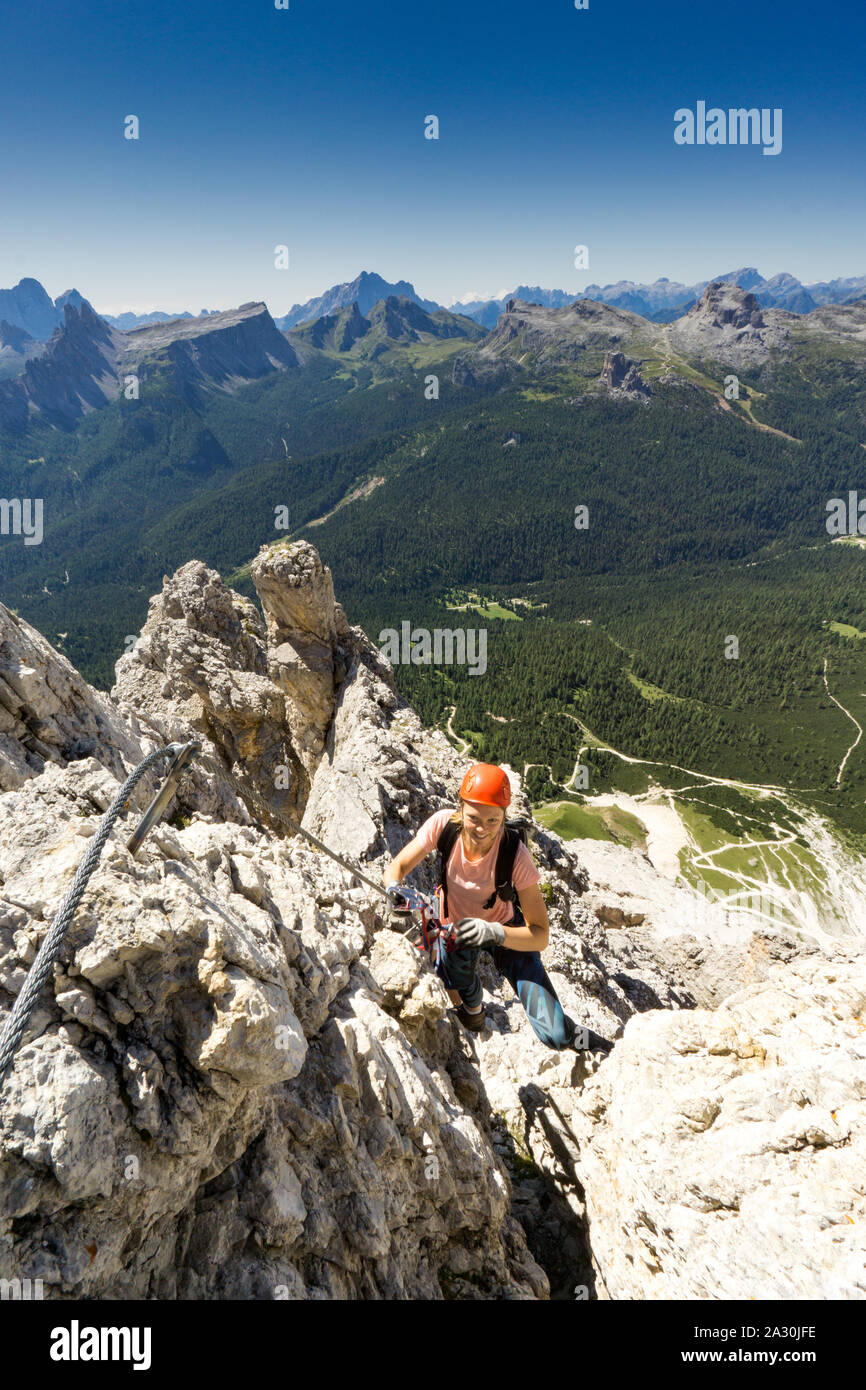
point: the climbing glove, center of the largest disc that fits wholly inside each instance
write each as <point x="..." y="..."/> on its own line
<point x="474" y="931"/>
<point x="399" y="912"/>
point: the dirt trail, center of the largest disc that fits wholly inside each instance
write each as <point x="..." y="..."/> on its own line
<point x="456" y="737"/>
<point x="853" y="721"/>
<point x="362" y="490"/>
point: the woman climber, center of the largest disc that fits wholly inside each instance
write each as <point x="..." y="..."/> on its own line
<point x="490" y="889"/>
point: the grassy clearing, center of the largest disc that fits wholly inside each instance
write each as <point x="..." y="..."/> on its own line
<point x="487" y="608"/>
<point x="704" y="833"/>
<point x="650" y="691"/>
<point x="625" y="827"/>
<point x="575" y="822"/>
<point x="572" y="822"/>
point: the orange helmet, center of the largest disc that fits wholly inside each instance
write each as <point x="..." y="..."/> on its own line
<point x="486" y="783"/>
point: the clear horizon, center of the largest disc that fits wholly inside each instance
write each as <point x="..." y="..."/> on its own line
<point x="115" y="312"/>
<point x="305" y="127"/>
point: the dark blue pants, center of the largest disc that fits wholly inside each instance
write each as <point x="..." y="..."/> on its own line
<point x="528" y="978"/>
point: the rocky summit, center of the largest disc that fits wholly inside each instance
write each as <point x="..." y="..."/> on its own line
<point x="242" y="1082"/>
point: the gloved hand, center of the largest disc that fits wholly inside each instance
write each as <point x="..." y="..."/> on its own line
<point x="474" y="931"/>
<point x="399" y="910"/>
<point x="395" y="894"/>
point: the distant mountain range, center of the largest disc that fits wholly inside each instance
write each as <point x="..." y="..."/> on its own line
<point x="86" y="359"/>
<point x="487" y="311"/>
<point x="29" y="307"/>
<point x="127" y="322"/>
<point x="666" y="300"/>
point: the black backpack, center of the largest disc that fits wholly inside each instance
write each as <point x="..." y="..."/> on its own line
<point x="516" y="832"/>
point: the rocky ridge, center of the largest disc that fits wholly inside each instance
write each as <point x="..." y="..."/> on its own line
<point x="396" y="320"/>
<point x="242" y="1083"/>
<point x="86" y="361"/>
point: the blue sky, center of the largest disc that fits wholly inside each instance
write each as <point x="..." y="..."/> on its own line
<point x="306" y="127"/>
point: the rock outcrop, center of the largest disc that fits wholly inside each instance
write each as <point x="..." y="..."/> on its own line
<point x="48" y="712"/>
<point x="722" y="1153"/>
<point x="728" y="325"/>
<point x="261" y="695"/>
<point x="620" y="375"/>
<point x="240" y="1083"/>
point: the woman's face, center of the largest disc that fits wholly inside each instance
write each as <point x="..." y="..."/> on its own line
<point x="481" y="823"/>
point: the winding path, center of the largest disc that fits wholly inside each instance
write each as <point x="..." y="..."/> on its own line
<point x="456" y="737"/>
<point x="704" y="778"/>
<point x="853" y="721"/>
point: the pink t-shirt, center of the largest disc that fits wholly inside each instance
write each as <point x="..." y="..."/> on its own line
<point x="470" y="882"/>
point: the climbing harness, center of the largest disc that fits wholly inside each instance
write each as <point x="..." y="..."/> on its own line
<point x="430" y="936"/>
<point x="16" y="1024"/>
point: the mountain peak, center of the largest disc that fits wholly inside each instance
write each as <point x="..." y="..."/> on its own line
<point x="28" y="305"/>
<point x="366" y="289"/>
<point x="723" y="303"/>
<point x="729" y="325"/>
